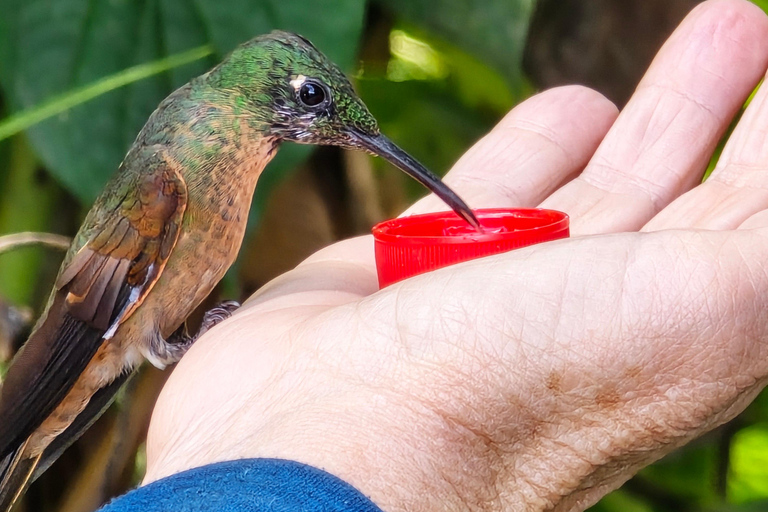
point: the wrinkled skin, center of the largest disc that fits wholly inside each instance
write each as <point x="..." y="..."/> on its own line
<point x="542" y="378"/>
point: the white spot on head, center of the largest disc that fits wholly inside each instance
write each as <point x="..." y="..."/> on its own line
<point x="297" y="82"/>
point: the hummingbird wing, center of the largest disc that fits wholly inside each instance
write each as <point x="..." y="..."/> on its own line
<point x="118" y="256"/>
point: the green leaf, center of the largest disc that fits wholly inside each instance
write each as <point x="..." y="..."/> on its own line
<point x="26" y="204"/>
<point x="748" y="476"/>
<point x="620" y="501"/>
<point x="49" y="47"/>
<point x="689" y="473"/>
<point x="494" y="30"/>
<point x="63" y="102"/>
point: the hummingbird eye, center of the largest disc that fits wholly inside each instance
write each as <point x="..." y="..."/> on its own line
<point x="312" y="94"/>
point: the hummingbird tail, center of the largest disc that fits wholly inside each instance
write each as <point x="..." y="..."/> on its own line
<point x="16" y="472"/>
<point x="15" y="476"/>
<point x="98" y="403"/>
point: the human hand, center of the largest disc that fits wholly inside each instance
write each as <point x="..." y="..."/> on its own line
<point x="538" y="379"/>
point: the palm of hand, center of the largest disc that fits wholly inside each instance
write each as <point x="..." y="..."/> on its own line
<point x="540" y="378"/>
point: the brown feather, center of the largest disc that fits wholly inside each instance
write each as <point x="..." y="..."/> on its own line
<point x="80" y="285"/>
<point x="86" y="308"/>
<point x="108" y="241"/>
<point x="74" y="267"/>
<point x="106" y="307"/>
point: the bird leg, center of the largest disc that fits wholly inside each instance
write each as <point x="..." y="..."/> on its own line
<point x="165" y="352"/>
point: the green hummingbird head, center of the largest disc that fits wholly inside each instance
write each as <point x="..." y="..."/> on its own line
<point x="301" y="95"/>
<point x="294" y="93"/>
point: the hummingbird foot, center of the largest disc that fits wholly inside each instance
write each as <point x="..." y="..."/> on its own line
<point x="217" y="315"/>
<point x="165" y="352"/>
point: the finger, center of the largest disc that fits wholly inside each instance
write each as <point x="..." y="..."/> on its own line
<point x="737" y="188"/>
<point x="756" y="221"/>
<point x="660" y="144"/>
<point x="540" y="144"/>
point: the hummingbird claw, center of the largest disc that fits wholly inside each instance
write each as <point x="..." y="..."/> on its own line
<point x="217" y="315"/>
<point x="165" y="352"/>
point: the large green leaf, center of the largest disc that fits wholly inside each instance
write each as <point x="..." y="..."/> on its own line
<point x="60" y="103"/>
<point x="51" y="46"/>
<point x="493" y="30"/>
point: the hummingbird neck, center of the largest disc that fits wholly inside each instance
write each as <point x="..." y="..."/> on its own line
<point x="223" y="170"/>
<point x="220" y="148"/>
<point x="213" y="137"/>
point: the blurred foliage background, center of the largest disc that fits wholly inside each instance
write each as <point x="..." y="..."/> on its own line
<point x="78" y="78"/>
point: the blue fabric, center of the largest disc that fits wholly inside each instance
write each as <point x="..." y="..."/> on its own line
<point x="252" y="485"/>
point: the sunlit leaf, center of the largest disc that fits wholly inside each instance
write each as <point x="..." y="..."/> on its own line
<point x="748" y="476"/>
<point x="494" y="30"/>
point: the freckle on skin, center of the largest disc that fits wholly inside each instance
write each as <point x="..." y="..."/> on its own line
<point x="553" y="381"/>
<point x="608" y="398"/>
<point x="633" y="372"/>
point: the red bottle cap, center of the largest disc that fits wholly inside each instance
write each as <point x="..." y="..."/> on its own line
<point x="412" y="245"/>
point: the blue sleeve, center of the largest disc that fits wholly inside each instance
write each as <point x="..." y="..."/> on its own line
<point x="252" y="485"/>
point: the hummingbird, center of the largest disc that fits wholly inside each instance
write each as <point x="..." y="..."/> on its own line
<point x="164" y="231"/>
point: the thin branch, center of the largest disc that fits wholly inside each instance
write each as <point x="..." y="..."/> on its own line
<point x="17" y="240"/>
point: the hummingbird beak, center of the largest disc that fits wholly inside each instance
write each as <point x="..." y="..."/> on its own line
<point x="381" y="146"/>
